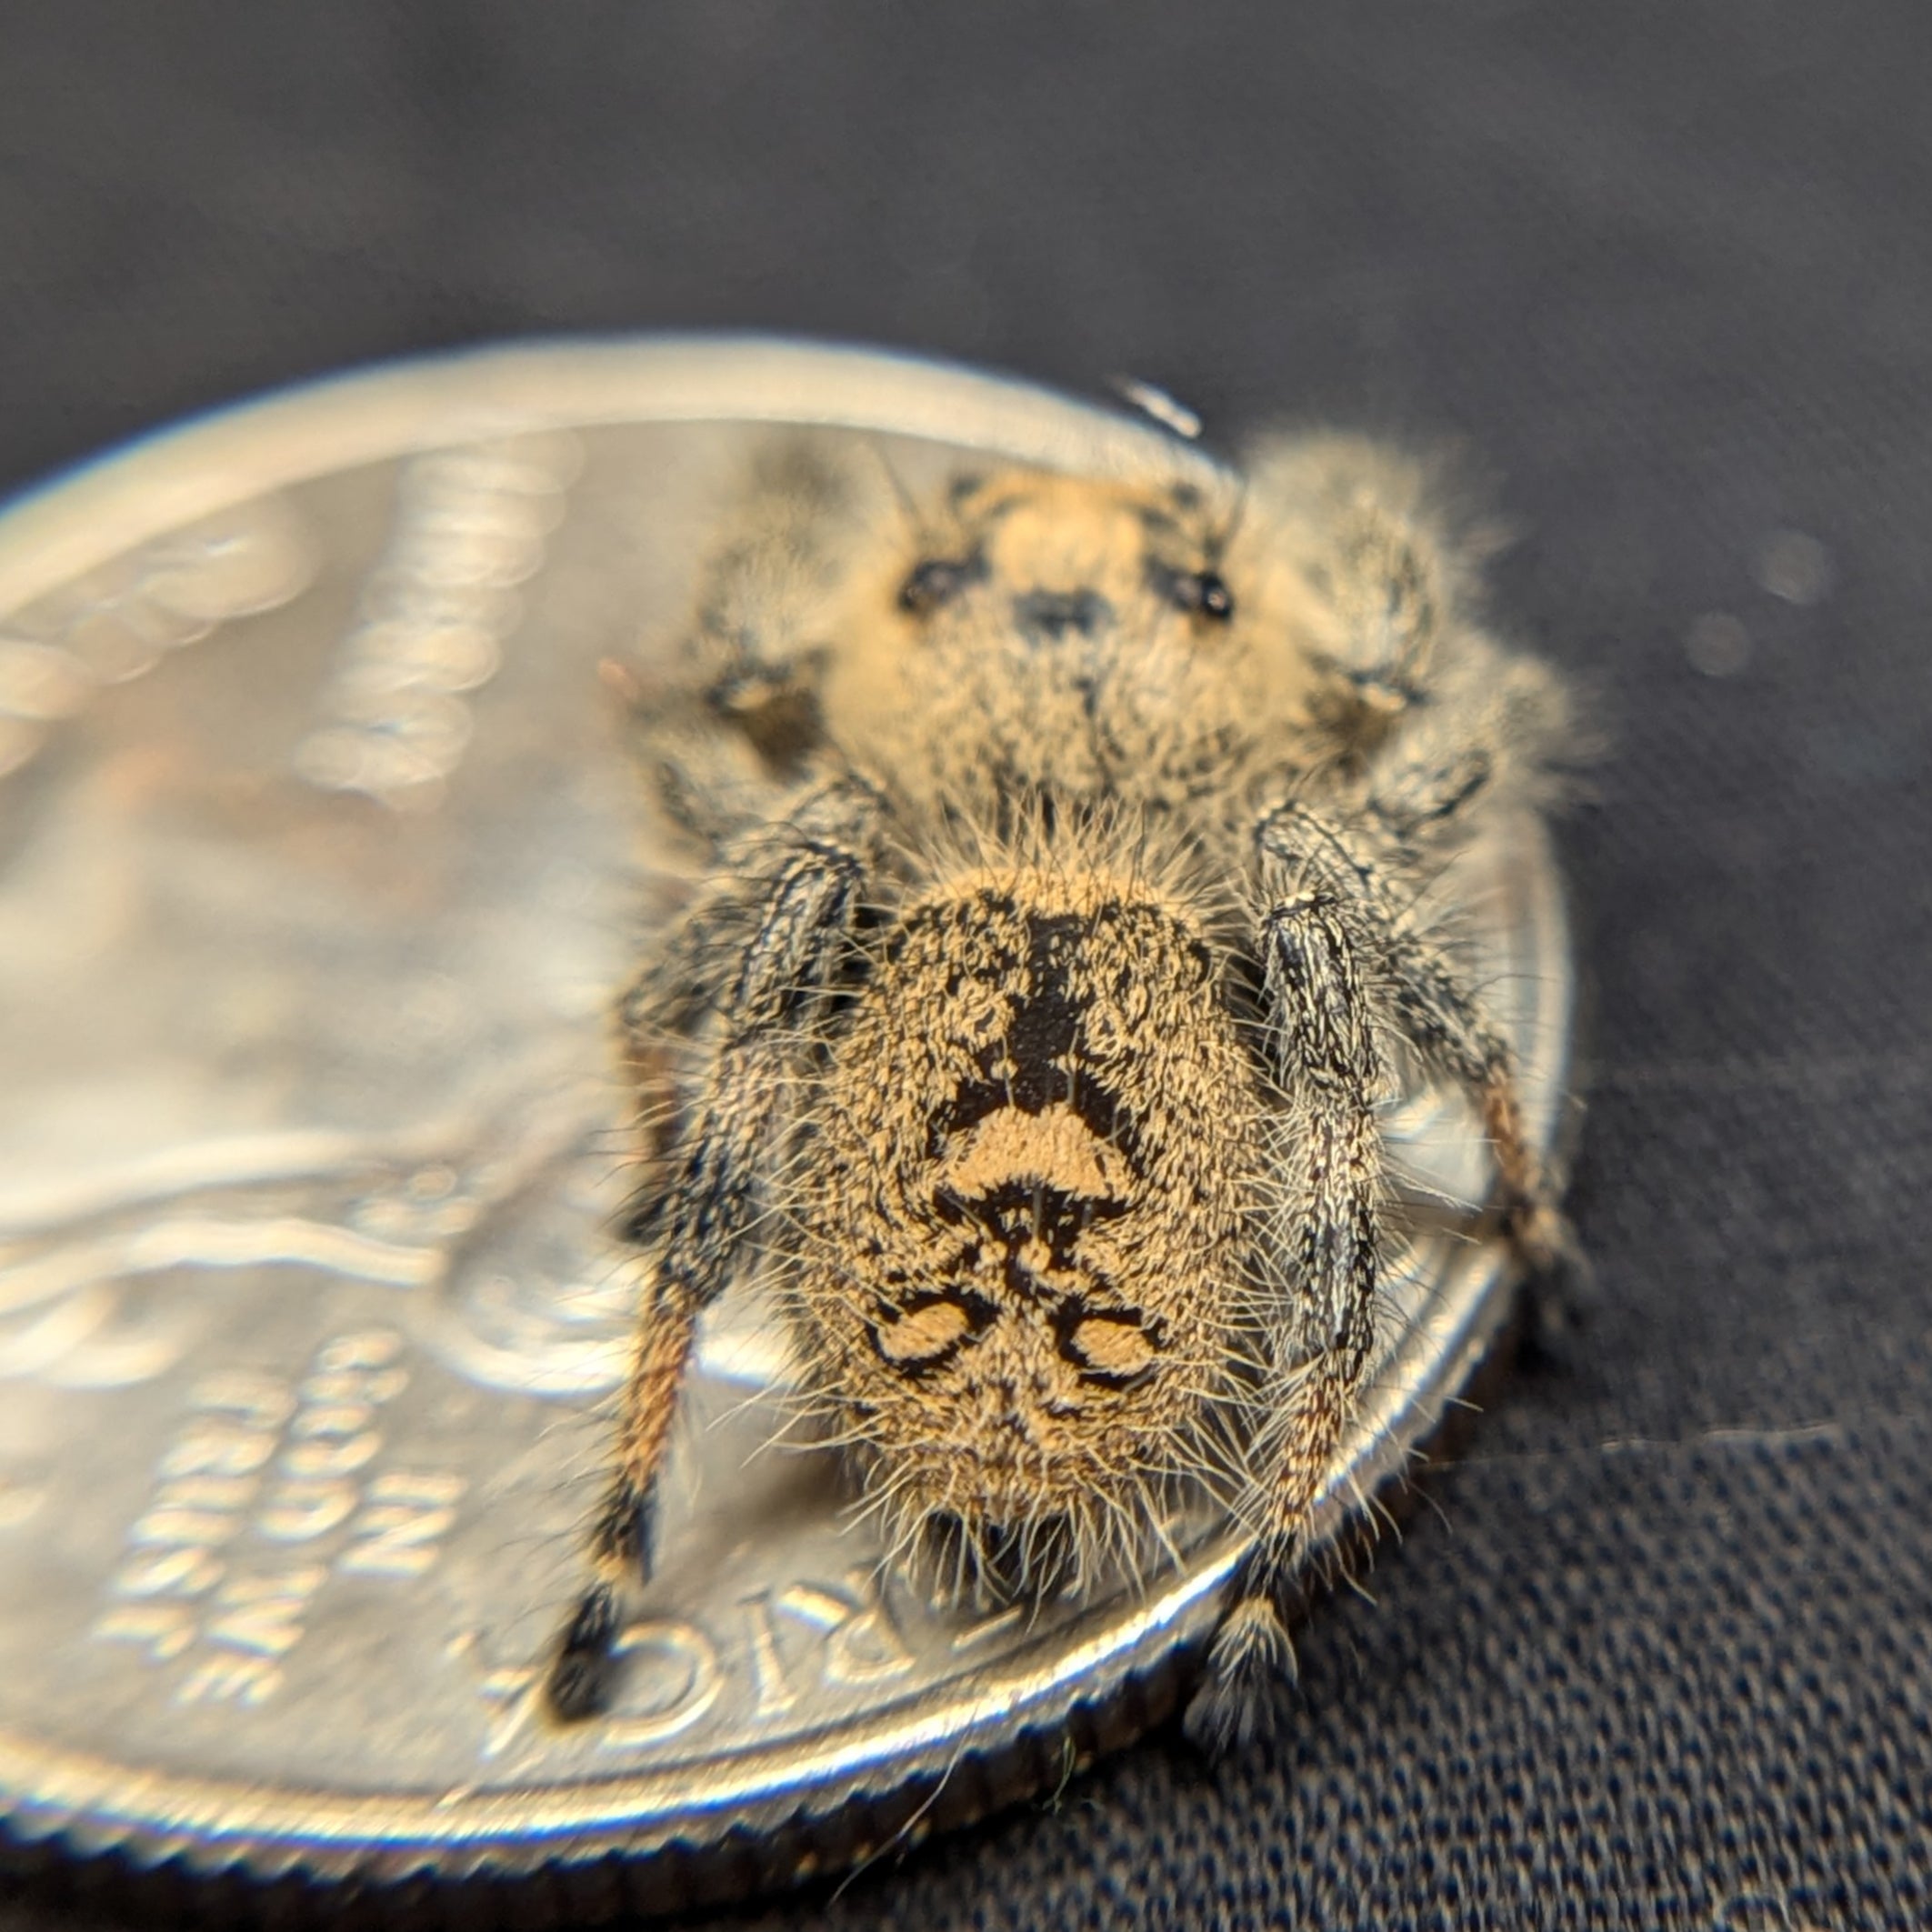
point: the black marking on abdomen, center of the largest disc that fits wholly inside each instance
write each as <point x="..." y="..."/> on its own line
<point x="1022" y="1210"/>
<point x="979" y="1315"/>
<point x="1041" y="1067"/>
<point x="1044" y="1029"/>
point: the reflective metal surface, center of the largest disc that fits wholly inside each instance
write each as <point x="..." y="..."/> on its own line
<point x="318" y="862"/>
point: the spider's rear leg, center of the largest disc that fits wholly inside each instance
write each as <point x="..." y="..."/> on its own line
<point x="1341" y="964"/>
<point x="1331" y="1070"/>
<point x="762" y="949"/>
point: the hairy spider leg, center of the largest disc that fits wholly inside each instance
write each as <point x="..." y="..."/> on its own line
<point x="796" y="887"/>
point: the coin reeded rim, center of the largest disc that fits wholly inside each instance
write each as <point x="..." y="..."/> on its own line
<point x="977" y="1741"/>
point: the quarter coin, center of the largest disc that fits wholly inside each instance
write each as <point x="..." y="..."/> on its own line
<point x="319" y="863"/>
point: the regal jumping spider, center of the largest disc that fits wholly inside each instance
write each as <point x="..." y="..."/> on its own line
<point x="1066" y="838"/>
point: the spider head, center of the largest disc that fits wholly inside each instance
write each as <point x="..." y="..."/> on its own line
<point x="1056" y="634"/>
<point x="1059" y="563"/>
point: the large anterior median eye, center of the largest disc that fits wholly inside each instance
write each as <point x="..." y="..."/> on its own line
<point x="1204" y="594"/>
<point x="1199" y="592"/>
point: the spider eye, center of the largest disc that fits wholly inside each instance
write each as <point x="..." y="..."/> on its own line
<point x="1204" y="594"/>
<point x="936" y="581"/>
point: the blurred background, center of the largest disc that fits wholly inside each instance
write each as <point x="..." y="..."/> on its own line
<point x="1665" y="1657"/>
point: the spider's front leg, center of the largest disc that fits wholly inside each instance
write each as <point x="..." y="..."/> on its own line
<point x="1422" y="993"/>
<point x="760" y="948"/>
<point x="1438" y="1014"/>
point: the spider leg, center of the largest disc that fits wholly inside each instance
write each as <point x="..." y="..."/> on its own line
<point x="1416" y="801"/>
<point x="1342" y="971"/>
<point x="1442" y="1020"/>
<point x="1424" y="994"/>
<point x="725" y="718"/>
<point x="1316" y="974"/>
<point x="1377" y="567"/>
<point x="762" y="950"/>
<point x="1379" y="554"/>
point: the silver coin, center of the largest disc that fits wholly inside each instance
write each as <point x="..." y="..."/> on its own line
<point x="318" y="863"/>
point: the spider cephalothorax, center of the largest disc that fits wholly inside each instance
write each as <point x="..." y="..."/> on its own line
<point x="1064" y="639"/>
<point x="1066" y="847"/>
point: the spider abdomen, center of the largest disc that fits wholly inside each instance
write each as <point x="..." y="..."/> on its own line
<point x="1023" y="1196"/>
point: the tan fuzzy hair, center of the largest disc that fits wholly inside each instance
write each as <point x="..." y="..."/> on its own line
<point x="1025" y="1220"/>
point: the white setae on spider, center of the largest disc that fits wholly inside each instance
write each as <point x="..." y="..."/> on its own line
<point x="1064" y="840"/>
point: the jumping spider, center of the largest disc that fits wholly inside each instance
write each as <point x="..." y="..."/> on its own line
<point x="1066" y="841"/>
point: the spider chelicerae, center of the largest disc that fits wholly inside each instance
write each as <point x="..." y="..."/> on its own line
<point x="1064" y="846"/>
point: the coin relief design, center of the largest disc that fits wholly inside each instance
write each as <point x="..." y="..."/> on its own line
<point x="469" y="525"/>
<point x="318" y="867"/>
<point x="117" y="624"/>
